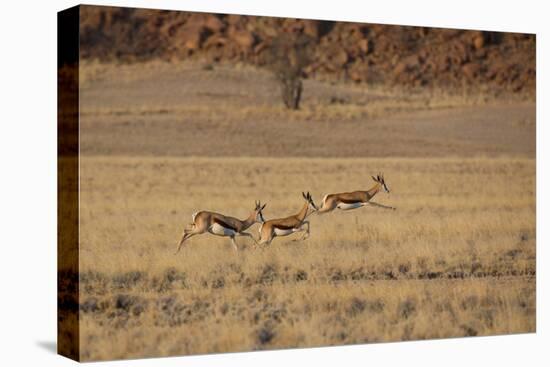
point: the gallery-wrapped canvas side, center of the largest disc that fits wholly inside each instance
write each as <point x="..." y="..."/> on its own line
<point x="67" y="183"/>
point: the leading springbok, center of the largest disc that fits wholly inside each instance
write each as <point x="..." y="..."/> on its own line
<point x="285" y="226"/>
<point x="355" y="199"/>
<point x="221" y="225"/>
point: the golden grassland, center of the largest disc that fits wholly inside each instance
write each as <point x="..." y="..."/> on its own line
<point x="161" y="140"/>
<point x="457" y="257"/>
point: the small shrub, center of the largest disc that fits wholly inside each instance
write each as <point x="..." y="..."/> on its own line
<point x="265" y="335"/>
<point x="125" y="302"/>
<point x="337" y="275"/>
<point x="139" y="308"/>
<point x="301" y="275"/>
<point x="356" y="307"/>
<point x="128" y="280"/>
<point x="90" y="305"/>
<point x="469" y="330"/>
<point x="289" y="55"/>
<point x="218" y="283"/>
<point x="404" y="268"/>
<point x="406" y="308"/>
<point x="376" y="306"/>
<point x="169" y="279"/>
<point x="269" y="274"/>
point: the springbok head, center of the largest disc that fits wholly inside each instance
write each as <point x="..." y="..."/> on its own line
<point x="309" y="200"/>
<point x="258" y="215"/>
<point x="380" y="179"/>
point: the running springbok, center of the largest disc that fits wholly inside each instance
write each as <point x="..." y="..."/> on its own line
<point x="355" y="199"/>
<point x="285" y="226"/>
<point x="221" y="225"/>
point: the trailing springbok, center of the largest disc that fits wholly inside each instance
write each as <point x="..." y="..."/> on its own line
<point x="285" y="226"/>
<point x="221" y="225"/>
<point x="355" y="199"/>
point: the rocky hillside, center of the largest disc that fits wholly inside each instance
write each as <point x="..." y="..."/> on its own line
<point x="372" y="53"/>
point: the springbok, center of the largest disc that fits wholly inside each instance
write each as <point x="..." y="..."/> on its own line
<point x="221" y="225"/>
<point x="355" y="199"/>
<point x="285" y="226"/>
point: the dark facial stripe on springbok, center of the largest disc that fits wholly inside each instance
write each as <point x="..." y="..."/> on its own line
<point x="224" y="224"/>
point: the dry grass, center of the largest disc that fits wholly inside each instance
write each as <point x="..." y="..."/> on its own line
<point x="457" y="258"/>
<point x="161" y="140"/>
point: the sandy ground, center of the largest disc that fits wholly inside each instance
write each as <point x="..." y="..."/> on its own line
<point x="237" y="112"/>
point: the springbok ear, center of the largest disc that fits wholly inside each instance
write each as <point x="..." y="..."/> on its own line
<point x="374" y="178"/>
<point x="263" y="207"/>
<point x="304" y="195"/>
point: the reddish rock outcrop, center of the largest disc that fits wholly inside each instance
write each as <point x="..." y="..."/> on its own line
<point x="403" y="55"/>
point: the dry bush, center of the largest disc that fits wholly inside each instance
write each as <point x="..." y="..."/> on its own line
<point x="289" y="55"/>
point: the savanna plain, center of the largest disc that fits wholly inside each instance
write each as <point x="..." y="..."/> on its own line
<point x="161" y="140"/>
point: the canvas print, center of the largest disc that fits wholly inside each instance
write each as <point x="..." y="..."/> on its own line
<point x="234" y="183"/>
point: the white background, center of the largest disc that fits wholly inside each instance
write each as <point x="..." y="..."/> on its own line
<point x="28" y="182"/>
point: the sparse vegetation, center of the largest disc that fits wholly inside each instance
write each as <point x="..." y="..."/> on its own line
<point x="289" y="56"/>
<point x="453" y="260"/>
<point x="457" y="257"/>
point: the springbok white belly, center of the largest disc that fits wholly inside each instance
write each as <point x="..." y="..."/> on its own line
<point x="220" y="230"/>
<point x="283" y="232"/>
<point x="345" y="206"/>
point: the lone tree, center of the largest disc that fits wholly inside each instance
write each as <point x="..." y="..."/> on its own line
<point x="290" y="53"/>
